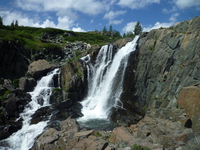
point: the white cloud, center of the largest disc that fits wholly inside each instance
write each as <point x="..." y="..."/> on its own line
<point x="111" y="22"/>
<point x="129" y="27"/>
<point x="173" y="17"/>
<point x="9" y="17"/>
<point x="112" y="15"/>
<point x="46" y="23"/>
<point x="183" y="4"/>
<point x="63" y="22"/>
<point x="78" y="29"/>
<point x="166" y="11"/>
<point x="158" y="25"/>
<point x="68" y="13"/>
<point x="91" y="7"/>
<point x="137" y="4"/>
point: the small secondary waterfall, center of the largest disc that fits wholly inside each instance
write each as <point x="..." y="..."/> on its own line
<point x="24" y="138"/>
<point x="105" y="81"/>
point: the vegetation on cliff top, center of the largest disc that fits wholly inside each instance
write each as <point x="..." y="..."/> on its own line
<point x="32" y="37"/>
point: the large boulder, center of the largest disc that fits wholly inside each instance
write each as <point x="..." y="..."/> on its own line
<point x="189" y="99"/>
<point x="53" y="139"/>
<point x="39" y="68"/>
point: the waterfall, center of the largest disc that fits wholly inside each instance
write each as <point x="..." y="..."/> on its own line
<point x="105" y="81"/>
<point x="24" y="138"/>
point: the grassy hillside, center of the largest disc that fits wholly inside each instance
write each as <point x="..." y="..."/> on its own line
<point x="31" y="37"/>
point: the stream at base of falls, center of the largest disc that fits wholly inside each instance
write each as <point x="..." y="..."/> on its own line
<point x="24" y="138"/>
<point x="105" y="85"/>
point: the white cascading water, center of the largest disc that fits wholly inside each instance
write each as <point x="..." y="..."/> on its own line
<point x="105" y="81"/>
<point x="24" y="138"/>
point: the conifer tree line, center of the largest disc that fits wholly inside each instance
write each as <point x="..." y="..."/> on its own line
<point x="131" y="34"/>
<point x="110" y="31"/>
<point x="13" y="24"/>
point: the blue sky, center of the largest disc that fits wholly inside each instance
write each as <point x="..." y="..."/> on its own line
<point x="90" y="15"/>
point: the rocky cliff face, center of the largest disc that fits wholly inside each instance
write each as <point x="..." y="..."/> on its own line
<point x="168" y="60"/>
<point x="14" y="59"/>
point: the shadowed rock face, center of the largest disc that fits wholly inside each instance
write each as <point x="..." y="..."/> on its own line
<point x="14" y="59"/>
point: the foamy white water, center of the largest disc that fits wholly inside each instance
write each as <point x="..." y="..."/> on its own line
<point x="24" y="138"/>
<point x="105" y="79"/>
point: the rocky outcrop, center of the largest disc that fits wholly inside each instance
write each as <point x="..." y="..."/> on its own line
<point x="39" y="68"/>
<point x="168" y="60"/>
<point x="12" y="103"/>
<point x="73" y="81"/>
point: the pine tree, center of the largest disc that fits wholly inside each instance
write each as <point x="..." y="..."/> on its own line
<point x="124" y="35"/>
<point x="104" y="29"/>
<point x="16" y="23"/>
<point x="138" y="28"/>
<point x="1" y="21"/>
<point x="12" y="24"/>
<point x="110" y="28"/>
<point x="116" y="33"/>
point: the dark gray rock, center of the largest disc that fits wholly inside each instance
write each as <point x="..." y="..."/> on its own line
<point x="167" y="62"/>
<point x="27" y="84"/>
<point x="14" y="59"/>
<point x="11" y="107"/>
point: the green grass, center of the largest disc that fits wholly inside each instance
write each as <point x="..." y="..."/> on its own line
<point x="16" y="82"/>
<point x="31" y="36"/>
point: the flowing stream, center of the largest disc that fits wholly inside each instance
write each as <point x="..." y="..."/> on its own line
<point x="24" y="138"/>
<point x="105" y="81"/>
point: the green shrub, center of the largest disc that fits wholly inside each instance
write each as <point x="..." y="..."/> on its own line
<point x="2" y="97"/>
<point x="56" y="89"/>
<point x="16" y="82"/>
<point x="97" y="134"/>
